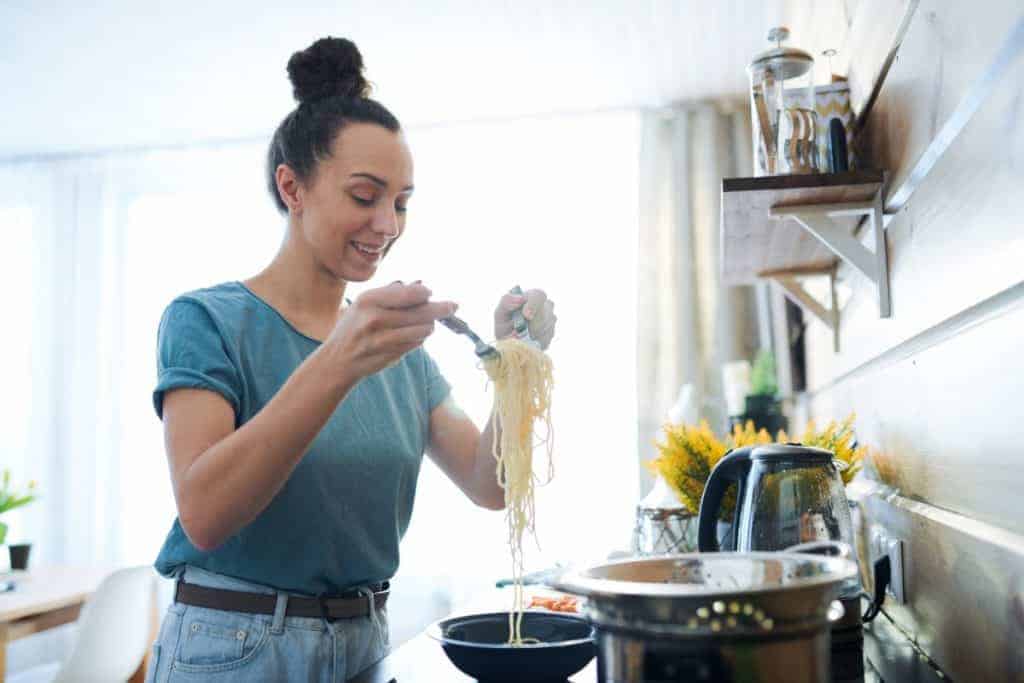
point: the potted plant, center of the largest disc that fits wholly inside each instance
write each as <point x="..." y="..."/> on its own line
<point x="762" y="405"/>
<point x="689" y="453"/>
<point x="10" y="499"/>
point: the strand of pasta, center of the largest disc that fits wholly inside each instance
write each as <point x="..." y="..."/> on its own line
<point x="522" y="377"/>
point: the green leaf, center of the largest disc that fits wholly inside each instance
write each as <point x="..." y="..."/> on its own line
<point x="762" y="375"/>
<point x="12" y="503"/>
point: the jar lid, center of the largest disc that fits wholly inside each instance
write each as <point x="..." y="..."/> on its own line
<point x="783" y="62"/>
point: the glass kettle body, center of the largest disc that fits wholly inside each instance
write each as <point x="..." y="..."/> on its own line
<point x="793" y="498"/>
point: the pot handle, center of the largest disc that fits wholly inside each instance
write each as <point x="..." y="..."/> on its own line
<point x="731" y="468"/>
<point x="828" y="548"/>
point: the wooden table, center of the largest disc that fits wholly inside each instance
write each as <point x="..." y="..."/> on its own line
<point x="47" y="597"/>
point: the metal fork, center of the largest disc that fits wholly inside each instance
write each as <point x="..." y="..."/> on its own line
<point x="483" y="349"/>
<point x="459" y="326"/>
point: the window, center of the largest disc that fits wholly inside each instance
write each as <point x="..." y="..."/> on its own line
<point x="546" y="203"/>
<point x="16" y="348"/>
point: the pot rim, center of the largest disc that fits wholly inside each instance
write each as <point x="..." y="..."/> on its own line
<point x="836" y="571"/>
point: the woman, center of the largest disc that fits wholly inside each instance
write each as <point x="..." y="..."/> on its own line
<point x="295" y="420"/>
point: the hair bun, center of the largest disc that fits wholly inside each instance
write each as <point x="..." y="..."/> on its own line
<point x="329" y="67"/>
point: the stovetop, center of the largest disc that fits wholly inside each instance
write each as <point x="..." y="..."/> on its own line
<point x="888" y="657"/>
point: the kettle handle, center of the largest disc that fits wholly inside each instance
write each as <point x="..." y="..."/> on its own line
<point x="732" y="468"/>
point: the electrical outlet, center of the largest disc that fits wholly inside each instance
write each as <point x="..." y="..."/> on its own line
<point x="883" y="544"/>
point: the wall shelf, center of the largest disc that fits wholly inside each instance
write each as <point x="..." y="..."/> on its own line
<point x="787" y="228"/>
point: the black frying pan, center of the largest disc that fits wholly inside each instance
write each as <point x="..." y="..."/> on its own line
<point x="477" y="645"/>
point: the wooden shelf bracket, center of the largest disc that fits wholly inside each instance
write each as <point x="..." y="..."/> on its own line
<point x="794" y="290"/>
<point x="817" y="220"/>
<point x="758" y="242"/>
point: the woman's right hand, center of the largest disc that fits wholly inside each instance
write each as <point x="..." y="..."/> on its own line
<point x="384" y="324"/>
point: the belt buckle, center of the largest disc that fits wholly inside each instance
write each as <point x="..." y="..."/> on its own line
<point x="321" y="601"/>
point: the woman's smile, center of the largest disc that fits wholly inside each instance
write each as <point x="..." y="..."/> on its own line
<point x="371" y="253"/>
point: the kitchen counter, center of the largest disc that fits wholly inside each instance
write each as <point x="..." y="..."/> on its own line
<point x="894" y="657"/>
<point x="421" y="660"/>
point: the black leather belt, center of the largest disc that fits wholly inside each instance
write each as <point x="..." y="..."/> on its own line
<point x="345" y="606"/>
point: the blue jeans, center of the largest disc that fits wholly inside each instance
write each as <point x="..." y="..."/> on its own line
<point x="214" y="646"/>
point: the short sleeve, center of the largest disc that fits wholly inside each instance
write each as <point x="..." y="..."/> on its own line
<point x="437" y="386"/>
<point x="191" y="355"/>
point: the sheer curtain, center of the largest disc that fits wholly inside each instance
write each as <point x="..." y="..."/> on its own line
<point x="689" y="324"/>
<point x="98" y="246"/>
<point x="107" y="242"/>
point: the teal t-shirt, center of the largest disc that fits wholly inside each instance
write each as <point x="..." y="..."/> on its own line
<point x="338" y="520"/>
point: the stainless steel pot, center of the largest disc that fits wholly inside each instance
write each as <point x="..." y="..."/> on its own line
<point x="713" y="617"/>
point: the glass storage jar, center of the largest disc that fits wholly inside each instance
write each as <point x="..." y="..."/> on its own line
<point x="785" y="125"/>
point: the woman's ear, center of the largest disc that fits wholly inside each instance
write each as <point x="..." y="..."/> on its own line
<point x="289" y="187"/>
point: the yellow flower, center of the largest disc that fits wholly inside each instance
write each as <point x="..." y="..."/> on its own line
<point x="836" y="437"/>
<point x="689" y="453"/>
<point x="746" y="436"/>
<point x="686" y="458"/>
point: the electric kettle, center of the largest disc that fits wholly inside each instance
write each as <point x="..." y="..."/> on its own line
<point x="786" y="495"/>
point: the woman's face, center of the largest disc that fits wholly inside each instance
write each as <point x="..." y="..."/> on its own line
<point x="353" y="208"/>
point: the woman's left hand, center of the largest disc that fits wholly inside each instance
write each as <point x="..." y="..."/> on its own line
<point x="538" y="310"/>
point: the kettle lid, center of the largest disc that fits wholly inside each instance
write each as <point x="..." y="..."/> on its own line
<point x="792" y="451"/>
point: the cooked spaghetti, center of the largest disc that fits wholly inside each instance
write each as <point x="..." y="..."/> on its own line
<point x="522" y="396"/>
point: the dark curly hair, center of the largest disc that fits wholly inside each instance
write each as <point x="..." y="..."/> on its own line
<point x="327" y="81"/>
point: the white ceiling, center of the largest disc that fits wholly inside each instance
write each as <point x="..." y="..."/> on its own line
<point x="124" y="73"/>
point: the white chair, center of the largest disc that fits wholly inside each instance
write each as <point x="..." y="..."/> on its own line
<point x="114" y="629"/>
